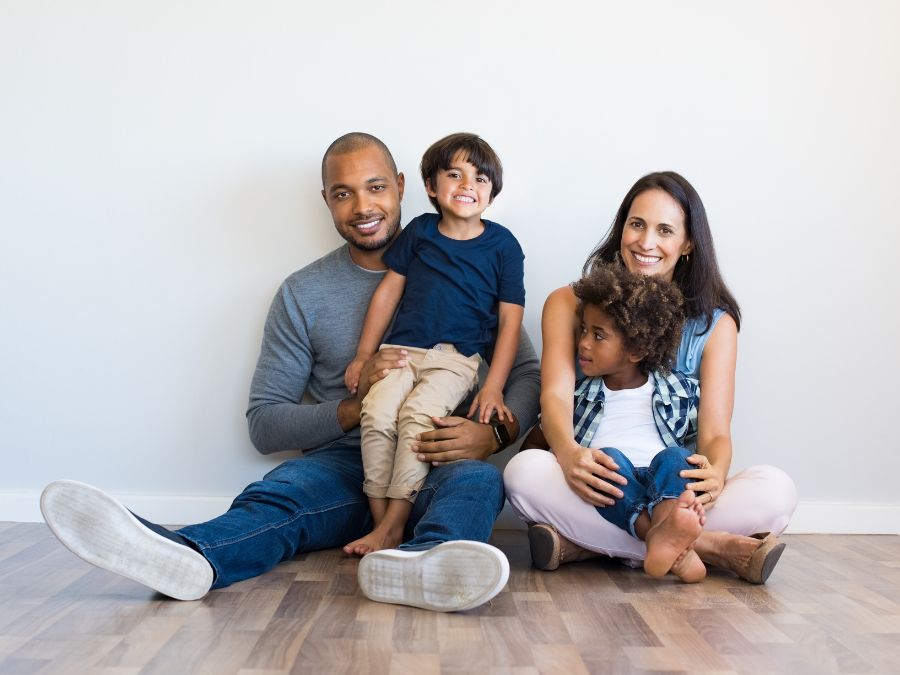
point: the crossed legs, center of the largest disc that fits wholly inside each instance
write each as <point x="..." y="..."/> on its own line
<point x="657" y="508"/>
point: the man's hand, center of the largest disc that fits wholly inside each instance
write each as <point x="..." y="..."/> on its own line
<point x="378" y="367"/>
<point x="455" y="438"/>
<point x="375" y="368"/>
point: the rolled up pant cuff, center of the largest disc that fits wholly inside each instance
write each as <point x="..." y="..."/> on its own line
<point x="407" y="492"/>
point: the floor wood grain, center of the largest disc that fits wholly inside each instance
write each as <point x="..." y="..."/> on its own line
<point x="832" y="606"/>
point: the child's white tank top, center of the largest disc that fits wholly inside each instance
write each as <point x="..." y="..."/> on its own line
<point x="628" y="425"/>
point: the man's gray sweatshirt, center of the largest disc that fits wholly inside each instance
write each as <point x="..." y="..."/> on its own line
<point x="310" y="337"/>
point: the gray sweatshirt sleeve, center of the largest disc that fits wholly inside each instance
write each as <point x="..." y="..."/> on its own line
<point x="276" y="418"/>
<point x="522" y="394"/>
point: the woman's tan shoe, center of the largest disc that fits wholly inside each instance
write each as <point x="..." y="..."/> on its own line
<point x="549" y="549"/>
<point x="763" y="560"/>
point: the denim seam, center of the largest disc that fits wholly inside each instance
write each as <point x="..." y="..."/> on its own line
<point x="652" y="505"/>
<point x="274" y="526"/>
<point x="632" y="518"/>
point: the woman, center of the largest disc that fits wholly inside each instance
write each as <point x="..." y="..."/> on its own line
<point x="660" y="228"/>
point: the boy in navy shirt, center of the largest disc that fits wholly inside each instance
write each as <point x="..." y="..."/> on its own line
<point x="463" y="304"/>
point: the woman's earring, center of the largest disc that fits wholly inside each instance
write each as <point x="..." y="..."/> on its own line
<point x="685" y="258"/>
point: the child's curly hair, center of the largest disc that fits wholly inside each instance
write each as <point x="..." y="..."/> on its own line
<point x="646" y="310"/>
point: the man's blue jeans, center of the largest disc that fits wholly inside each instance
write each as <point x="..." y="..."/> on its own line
<point x="647" y="485"/>
<point x="316" y="502"/>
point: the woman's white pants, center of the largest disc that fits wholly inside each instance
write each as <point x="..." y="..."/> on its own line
<point x="758" y="499"/>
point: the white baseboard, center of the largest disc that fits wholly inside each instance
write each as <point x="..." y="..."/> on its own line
<point x="810" y="517"/>
<point x="845" y="518"/>
<point x="24" y="506"/>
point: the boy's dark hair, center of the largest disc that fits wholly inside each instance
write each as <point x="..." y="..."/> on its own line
<point x="697" y="275"/>
<point x="646" y="310"/>
<point x="439" y="157"/>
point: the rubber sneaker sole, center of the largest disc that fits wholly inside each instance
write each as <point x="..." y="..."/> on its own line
<point x="101" y="531"/>
<point x="451" y="577"/>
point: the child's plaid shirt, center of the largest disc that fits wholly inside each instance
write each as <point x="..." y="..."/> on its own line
<point x="676" y="398"/>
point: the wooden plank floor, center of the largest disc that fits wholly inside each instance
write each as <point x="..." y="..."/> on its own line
<point x="832" y="606"/>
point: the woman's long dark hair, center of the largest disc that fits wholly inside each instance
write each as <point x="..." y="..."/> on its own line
<point x="698" y="277"/>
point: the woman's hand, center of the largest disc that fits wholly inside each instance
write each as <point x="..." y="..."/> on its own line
<point x="710" y="481"/>
<point x="591" y="474"/>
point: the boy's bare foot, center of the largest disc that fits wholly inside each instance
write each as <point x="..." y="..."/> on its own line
<point x="697" y="507"/>
<point x="673" y="535"/>
<point x="378" y="539"/>
<point x="688" y="567"/>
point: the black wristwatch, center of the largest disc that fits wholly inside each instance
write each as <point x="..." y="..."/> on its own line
<point x="501" y="433"/>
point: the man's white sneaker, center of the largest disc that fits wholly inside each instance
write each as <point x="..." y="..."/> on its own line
<point x="101" y="531"/>
<point x="451" y="577"/>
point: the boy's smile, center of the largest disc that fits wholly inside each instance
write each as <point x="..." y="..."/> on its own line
<point x="461" y="191"/>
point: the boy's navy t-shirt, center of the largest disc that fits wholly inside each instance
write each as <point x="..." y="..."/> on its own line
<point x="452" y="286"/>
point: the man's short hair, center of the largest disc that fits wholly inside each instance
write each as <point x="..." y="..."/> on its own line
<point x="353" y="142"/>
<point x="439" y="157"/>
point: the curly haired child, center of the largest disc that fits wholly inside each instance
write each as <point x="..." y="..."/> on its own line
<point x="632" y="407"/>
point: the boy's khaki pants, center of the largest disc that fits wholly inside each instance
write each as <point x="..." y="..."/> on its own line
<point x="431" y="384"/>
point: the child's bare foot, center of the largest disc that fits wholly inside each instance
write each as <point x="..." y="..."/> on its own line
<point x="673" y="535"/>
<point x="378" y="539"/>
<point x="688" y="567"/>
<point x="697" y="507"/>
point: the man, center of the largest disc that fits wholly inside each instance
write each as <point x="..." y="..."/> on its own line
<point x="298" y="401"/>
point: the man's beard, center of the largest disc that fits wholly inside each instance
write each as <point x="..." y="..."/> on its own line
<point x="376" y="244"/>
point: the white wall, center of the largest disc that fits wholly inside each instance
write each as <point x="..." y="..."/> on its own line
<point x="159" y="178"/>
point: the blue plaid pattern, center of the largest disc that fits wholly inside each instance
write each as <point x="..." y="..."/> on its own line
<point x="675" y="400"/>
